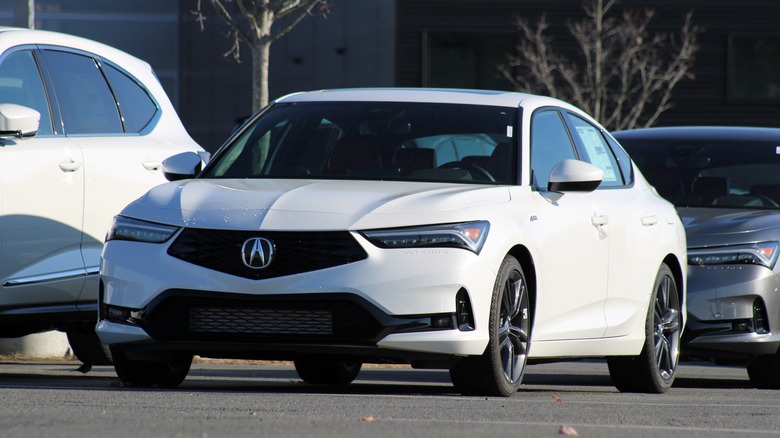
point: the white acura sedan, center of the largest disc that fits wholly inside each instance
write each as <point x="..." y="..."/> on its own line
<point x="466" y="230"/>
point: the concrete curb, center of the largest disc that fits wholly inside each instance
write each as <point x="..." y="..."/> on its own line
<point x="51" y="344"/>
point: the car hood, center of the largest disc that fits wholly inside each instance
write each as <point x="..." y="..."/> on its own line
<point x="717" y="226"/>
<point x="273" y="204"/>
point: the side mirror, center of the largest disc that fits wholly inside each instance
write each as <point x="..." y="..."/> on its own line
<point x="574" y="176"/>
<point x="181" y="166"/>
<point x="18" y="121"/>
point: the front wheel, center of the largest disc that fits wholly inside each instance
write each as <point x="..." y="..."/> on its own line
<point x="653" y="370"/>
<point x="499" y="371"/>
<point x="167" y="373"/>
<point x="87" y="347"/>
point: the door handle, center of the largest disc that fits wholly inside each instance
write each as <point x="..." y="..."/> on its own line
<point x="152" y="166"/>
<point x="70" y="166"/>
<point x="599" y="220"/>
<point x="649" y="220"/>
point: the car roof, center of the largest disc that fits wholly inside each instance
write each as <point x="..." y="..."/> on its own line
<point x="17" y="36"/>
<point x="727" y="133"/>
<point x="428" y="95"/>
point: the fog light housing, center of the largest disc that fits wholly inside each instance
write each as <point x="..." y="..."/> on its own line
<point x="464" y="315"/>
<point x="442" y="322"/>
<point x="760" y="320"/>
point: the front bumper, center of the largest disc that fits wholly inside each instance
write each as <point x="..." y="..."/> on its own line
<point x="734" y="312"/>
<point x="393" y="305"/>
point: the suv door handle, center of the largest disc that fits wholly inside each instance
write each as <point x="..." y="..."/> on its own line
<point x="649" y="220"/>
<point x="152" y="166"/>
<point x="70" y="166"/>
<point x="599" y="220"/>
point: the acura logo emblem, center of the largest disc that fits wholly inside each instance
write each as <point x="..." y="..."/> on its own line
<point x="257" y="253"/>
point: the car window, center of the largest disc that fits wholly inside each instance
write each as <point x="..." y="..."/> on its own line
<point x="375" y="140"/>
<point x="135" y="105"/>
<point x="624" y="160"/>
<point x="86" y="102"/>
<point x="596" y="151"/>
<point x="20" y="83"/>
<point x="709" y="173"/>
<point x="550" y="144"/>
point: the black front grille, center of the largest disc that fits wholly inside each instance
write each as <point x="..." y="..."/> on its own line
<point x="294" y="252"/>
<point x="261" y="321"/>
<point x="227" y="318"/>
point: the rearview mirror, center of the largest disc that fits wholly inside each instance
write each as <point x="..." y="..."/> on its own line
<point x="181" y="166"/>
<point x="574" y="176"/>
<point x="18" y="121"/>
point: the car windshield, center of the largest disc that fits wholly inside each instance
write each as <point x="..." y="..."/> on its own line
<point x="375" y="141"/>
<point x="711" y="173"/>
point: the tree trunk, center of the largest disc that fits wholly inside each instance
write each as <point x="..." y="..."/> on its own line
<point x="260" y="62"/>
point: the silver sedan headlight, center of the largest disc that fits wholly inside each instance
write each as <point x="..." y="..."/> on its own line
<point x="761" y="253"/>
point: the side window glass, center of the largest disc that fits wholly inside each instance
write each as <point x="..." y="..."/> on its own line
<point x="86" y="102"/>
<point x="550" y="144"/>
<point x="20" y="83"/>
<point x="596" y="151"/>
<point x="624" y="161"/>
<point x="135" y="106"/>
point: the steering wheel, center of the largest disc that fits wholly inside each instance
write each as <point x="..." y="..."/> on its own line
<point x="475" y="170"/>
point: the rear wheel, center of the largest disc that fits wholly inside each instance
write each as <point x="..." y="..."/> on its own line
<point x="653" y="370"/>
<point x="763" y="371"/>
<point x="327" y="372"/>
<point x="499" y="371"/>
<point x="167" y="373"/>
<point x="87" y="347"/>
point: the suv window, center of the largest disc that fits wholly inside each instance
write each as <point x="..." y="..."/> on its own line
<point x="86" y="102"/>
<point x="135" y="105"/>
<point x="20" y="83"/>
<point x="550" y="144"/>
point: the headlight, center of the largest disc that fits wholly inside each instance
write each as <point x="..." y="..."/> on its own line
<point x="762" y="253"/>
<point x="125" y="228"/>
<point x="470" y="236"/>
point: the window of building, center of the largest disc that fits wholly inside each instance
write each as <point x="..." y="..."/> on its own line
<point x="453" y="60"/>
<point x="754" y="61"/>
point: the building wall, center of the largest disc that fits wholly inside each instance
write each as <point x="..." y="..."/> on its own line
<point x="704" y="100"/>
<point x="354" y="46"/>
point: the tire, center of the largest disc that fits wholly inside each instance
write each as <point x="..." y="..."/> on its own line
<point x="87" y="348"/>
<point x="327" y="372"/>
<point x="763" y="371"/>
<point x="653" y="370"/>
<point x="141" y="373"/>
<point x="499" y="371"/>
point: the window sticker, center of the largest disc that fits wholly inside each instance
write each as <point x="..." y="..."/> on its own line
<point x="597" y="151"/>
<point x="509" y="131"/>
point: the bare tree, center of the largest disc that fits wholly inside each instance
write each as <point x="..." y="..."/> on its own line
<point x="24" y="13"/>
<point x="251" y="22"/>
<point x="624" y="75"/>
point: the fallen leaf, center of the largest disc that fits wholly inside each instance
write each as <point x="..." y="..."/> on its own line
<point x="558" y="399"/>
<point x="369" y="419"/>
<point x="567" y="431"/>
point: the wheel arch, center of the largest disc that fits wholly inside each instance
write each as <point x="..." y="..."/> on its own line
<point x="526" y="261"/>
<point x="679" y="277"/>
